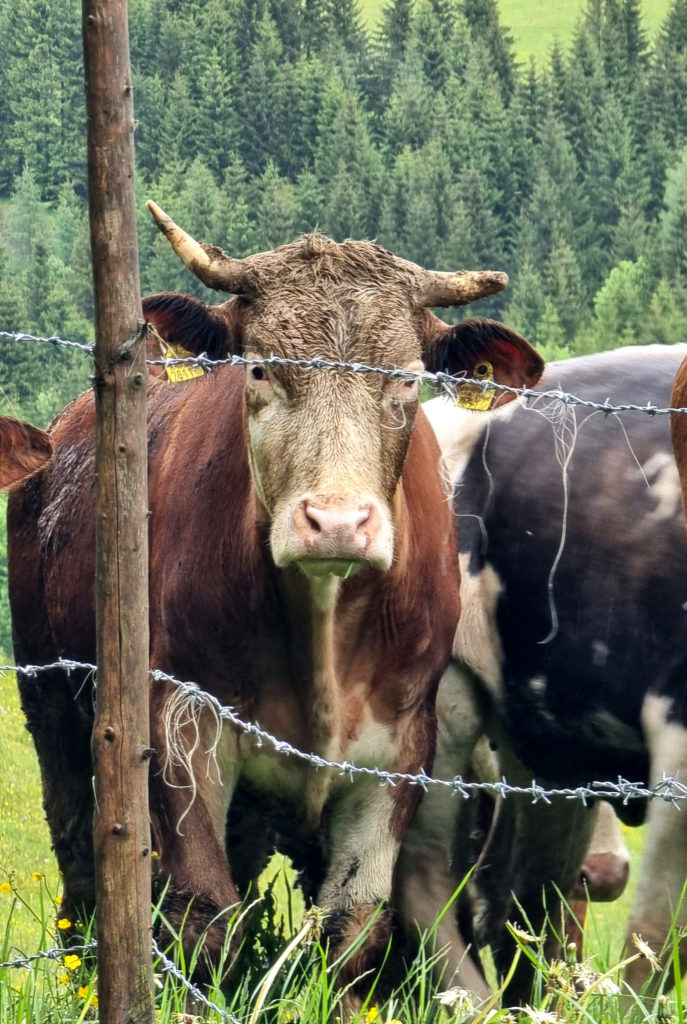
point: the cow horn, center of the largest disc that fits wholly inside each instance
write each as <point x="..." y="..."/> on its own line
<point x="436" y="288"/>
<point x="210" y="265"/>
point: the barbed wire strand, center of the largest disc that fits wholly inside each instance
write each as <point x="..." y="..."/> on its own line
<point x="669" y="789"/>
<point x="165" y="964"/>
<point x="52" y="340"/>
<point x="446" y="381"/>
<point x="48" y="954"/>
<point x="169" y="967"/>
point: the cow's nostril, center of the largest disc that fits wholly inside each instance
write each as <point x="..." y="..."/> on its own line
<point x="312" y="520"/>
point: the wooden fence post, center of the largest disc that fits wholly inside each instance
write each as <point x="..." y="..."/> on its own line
<point x="120" y="740"/>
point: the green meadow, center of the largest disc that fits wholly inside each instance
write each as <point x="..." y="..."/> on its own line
<point x="535" y="25"/>
<point x="302" y="990"/>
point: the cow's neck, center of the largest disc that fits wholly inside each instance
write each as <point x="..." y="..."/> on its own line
<point x="311" y="606"/>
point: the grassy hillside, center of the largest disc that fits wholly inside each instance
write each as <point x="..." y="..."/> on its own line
<point x="535" y="24"/>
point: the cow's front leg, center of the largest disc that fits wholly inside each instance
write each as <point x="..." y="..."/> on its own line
<point x="191" y="788"/>
<point x="59" y="718"/>
<point x="365" y="829"/>
<point x="426" y="877"/>
<point x="537" y="859"/>
<point x="660" y="908"/>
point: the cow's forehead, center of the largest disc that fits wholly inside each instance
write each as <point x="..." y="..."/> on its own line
<point x="362" y="322"/>
<point x="314" y="261"/>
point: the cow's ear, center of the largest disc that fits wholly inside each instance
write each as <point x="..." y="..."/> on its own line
<point x="190" y="324"/>
<point x="23" y="450"/>
<point x="483" y="350"/>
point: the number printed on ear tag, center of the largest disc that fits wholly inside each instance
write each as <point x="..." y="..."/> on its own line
<point x="181" y="372"/>
<point x="472" y="396"/>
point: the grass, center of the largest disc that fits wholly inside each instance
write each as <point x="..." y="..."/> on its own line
<point x="286" y="977"/>
<point x="536" y="24"/>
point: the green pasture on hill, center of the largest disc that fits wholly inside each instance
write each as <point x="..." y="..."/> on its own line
<point x="536" y="24"/>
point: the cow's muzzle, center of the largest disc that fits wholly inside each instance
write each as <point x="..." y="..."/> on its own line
<point x="337" y="533"/>
<point x="603" y="876"/>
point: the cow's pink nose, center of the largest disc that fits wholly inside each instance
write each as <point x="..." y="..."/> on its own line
<point x="336" y="521"/>
<point x="336" y="527"/>
<point x="604" y="876"/>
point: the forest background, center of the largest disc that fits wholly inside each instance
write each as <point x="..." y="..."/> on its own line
<point x="260" y="119"/>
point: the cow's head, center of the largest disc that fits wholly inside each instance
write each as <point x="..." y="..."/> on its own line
<point x="327" y="447"/>
<point x="23" y="450"/>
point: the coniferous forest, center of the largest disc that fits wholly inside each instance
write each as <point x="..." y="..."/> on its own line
<point x="260" y="119"/>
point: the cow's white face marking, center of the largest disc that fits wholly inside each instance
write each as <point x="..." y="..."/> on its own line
<point x="477" y="640"/>
<point x="326" y="450"/>
<point x="661" y="472"/>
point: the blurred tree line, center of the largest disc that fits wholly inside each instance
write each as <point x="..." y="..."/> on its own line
<point x="260" y="119"/>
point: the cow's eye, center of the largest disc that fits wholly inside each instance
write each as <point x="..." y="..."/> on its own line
<point x="258" y="373"/>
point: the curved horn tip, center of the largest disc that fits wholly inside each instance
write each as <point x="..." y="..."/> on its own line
<point x="159" y="215"/>
<point x="493" y="280"/>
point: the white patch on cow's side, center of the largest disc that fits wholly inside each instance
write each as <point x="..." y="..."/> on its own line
<point x="459" y="430"/>
<point x="477" y="641"/>
<point x="661" y="473"/>
<point x="538" y="684"/>
<point x="657" y="906"/>
<point x="654" y="716"/>
<point x="374" y="746"/>
<point x="600" y="652"/>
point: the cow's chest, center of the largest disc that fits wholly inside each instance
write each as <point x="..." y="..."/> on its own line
<point x="303" y="744"/>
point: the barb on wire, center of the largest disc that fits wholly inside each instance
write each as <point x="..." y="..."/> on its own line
<point x="446" y="381"/>
<point x="168" y="967"/>
<point x="48" y="954"/>
<point x="669" y="789"/>
<point x="52" y="340"/>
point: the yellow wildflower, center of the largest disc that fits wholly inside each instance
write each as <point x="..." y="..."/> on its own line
<point x="58" y="900"/>
<point x="72" y="961"/>
<point x="64" y="923"/>
<point x="94" y="1002"/>
<point x="371" y="1015"/>
<point x="36" y="876"/>
<point x="63" y="979"/>
<point x="82" y="991"/>
<point x="5" y="887"/>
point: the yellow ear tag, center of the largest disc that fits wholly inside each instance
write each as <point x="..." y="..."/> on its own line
<point x="177" y="373"/>
<point x="471" y="396"/>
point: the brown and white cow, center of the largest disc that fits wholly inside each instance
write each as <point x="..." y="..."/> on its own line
<point x="303" y="570"/>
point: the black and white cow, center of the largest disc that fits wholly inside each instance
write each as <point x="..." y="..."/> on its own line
<point x="571" y="653"/>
